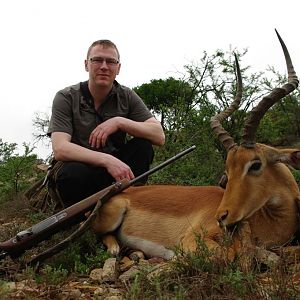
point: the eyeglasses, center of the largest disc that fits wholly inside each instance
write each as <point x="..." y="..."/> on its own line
<point x="97" y="60"/>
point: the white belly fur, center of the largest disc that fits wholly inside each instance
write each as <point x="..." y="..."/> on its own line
<point x="151" y="249"/>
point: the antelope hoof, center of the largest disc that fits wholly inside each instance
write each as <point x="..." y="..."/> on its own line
<point x="114" y="250"/>
<point x="111" y="244"/>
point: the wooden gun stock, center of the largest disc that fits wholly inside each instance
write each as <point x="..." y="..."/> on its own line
<point x="71" y="215"/>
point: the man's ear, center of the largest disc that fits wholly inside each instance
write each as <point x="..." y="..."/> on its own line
<point x="119" y="68"/>
<point x="86" y="65"/>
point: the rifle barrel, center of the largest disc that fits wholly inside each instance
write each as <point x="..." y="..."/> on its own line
<point x="162" y="165"/>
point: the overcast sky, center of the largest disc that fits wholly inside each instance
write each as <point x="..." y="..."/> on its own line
<point x="44" y="43"/>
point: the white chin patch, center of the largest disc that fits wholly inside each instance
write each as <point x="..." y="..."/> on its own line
<point x="274" y="201"/>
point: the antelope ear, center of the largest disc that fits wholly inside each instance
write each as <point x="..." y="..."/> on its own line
<point x="223" y="181"/>
<point x="292" y="159"/>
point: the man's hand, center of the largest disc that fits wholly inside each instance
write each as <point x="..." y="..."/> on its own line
<point x="150" y="129"/>
<point x="65" y="150"/>
<point x="100" y="134"/>
<point x="117" y="169"/>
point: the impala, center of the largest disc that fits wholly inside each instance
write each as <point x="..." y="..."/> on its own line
<point x="260" y="189"/>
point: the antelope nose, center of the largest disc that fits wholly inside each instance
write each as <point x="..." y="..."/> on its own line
<point x="221" y="217"/>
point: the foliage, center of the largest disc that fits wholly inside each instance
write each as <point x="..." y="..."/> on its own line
<point x="51" y="276"/>
<point x="36" y="216"/>
<point x="281" y="124"/>
<point x="6" y="150"/>
<point x="17" y="172"/>
<point x="201" y="275"/>
<point x="40" y="125"/>
<point x="186" y="106"/>
<point x="171" y="99"/>
<point x="194" y="275"/>
<point x="82" y="256"/>
<point x="4" y="289"/>
<point x="296" y="174"/>
<point x="205" y="89"/>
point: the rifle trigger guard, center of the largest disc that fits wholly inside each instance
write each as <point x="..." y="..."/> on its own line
<point x="118" y="185"/>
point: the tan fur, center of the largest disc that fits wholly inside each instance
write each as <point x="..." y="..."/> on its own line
<point x="268" y="200"/>
<point x="156" y="218"/>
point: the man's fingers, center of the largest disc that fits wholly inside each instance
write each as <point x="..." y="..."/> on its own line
<point x="93" y="139"/>
<point x="127" y="175"/>
<point x="103" y="140"/>
<point x="131" y="175"/>
<point x="98" y="138"/>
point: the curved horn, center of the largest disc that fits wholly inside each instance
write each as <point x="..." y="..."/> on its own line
<point x="215" y="122"/>
<point x="276" y="94"/>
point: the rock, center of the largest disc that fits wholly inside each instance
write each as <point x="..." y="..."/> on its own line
<point x="114" y="294"/>
<point x="72" y="294"/>
<point x="114" y="291"/>
<point x="75" y="294"/>
<point x="110" y="270"/>
<point x="267" y="257"/>
<point x="114" y="297"/>
<point x="96" y="275"/>
<point x="99" y="291"/>
<point x="156" y="260"/>
<point x="126" y="263"/>
<point x="129" y="275"/>
<point x="136" y="255"/>
<point x="42" y="167"/>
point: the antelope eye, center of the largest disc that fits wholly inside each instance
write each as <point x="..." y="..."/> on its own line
<point x="256" y="166"/>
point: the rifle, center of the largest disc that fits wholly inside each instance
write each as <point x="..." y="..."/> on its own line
<point x="71" y="215"/>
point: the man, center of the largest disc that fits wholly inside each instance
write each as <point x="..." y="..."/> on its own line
<point x="90" y="125"/>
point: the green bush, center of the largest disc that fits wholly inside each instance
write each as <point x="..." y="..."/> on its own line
<point x="17" y="172"/>
<point x="82" y="255"/>
<point x="51" y="276"/>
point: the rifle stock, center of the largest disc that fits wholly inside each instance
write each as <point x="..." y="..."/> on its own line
<point x="71" y="215"/>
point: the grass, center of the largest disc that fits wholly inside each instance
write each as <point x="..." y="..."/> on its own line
<point x="191" y="275"/>
<point x="198" y="276"/>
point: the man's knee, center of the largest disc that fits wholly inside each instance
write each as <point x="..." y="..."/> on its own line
<point x="72" y="182"/>
<point x="138" y="154"/>
<point x="73" y="171"/>
<point x="143" y="147"/>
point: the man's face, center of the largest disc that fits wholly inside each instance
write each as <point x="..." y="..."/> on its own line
<point x="103" y="65"/>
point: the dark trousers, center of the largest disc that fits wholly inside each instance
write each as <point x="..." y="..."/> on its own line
<point x="76" y="181"/>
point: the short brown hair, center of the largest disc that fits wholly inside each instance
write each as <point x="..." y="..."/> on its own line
<point x="105" y="44"/>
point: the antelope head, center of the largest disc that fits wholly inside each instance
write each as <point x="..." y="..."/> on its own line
<point x="255" y="176"/>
